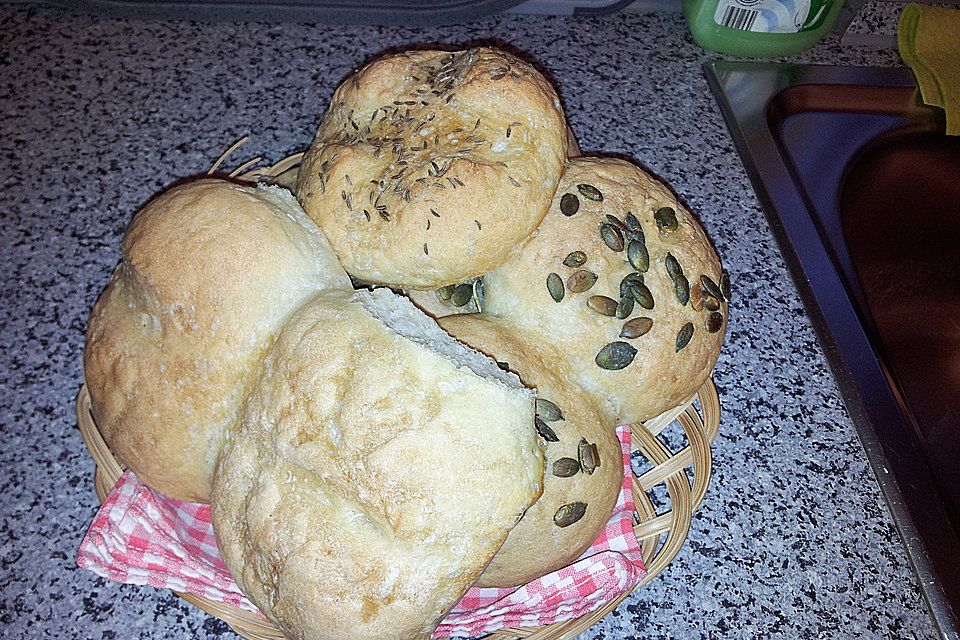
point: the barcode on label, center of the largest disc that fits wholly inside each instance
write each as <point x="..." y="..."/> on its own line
<point x="739" y="18"/>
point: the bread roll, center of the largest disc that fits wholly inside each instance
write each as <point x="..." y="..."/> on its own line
<point x="210" y="271"/>
<point x="379" y="466"/>
<point x="583" y="470"/>
<point x="430" y="166"/>
<point x="641" y="343"/>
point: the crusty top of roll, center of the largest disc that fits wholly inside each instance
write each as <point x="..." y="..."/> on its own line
<point x="607" y="212"/>
<point x="430" y="166"/>
<point x="210" y="269"/>
<point x="375" y="473"/>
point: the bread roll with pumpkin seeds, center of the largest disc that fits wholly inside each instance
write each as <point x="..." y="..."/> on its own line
<point x="622" y="281"/>
<point x="583" y="469"/>
<point x="431" y="166"/>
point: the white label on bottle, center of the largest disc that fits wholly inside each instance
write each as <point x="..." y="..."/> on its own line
<point x="766" y="16"/>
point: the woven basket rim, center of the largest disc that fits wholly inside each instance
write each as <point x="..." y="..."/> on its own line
<point x="661" y="535"/>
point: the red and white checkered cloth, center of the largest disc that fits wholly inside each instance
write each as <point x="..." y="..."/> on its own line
<point x="141" y="537"/>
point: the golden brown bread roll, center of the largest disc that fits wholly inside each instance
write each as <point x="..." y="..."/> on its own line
<point x="622" y="281"/>
<point x="210" y="271"/>
<point x="583" y="470"/>
<point x="379" y="466"/>
<point x="430" y="166"/>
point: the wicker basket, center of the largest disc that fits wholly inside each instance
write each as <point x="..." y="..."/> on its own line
<point x="661" y="536"/>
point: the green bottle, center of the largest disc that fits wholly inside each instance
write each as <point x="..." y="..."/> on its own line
<point x="760" y="28"/>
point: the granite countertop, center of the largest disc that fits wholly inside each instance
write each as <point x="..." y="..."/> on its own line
<point x="793" y="539"/>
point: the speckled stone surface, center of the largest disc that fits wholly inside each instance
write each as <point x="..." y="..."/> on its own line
<point x="877" y="17"/>
<point x="875" y="25"/>
<point x="793" y="540"/>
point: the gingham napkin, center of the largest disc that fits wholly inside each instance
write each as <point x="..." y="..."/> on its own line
<point x="141" y="537"/>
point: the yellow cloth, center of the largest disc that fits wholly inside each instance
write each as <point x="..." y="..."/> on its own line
<point x="929" y="41"/>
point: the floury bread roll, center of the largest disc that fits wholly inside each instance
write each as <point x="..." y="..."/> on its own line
<point x="584" y="466"/>
<point x="431" y="166"/>
<point x="379" y="466"/>
<point x="210" y="271"/>
<point x="622" y="281"/>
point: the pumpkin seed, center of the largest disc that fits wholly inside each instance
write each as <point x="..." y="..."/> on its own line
<point x="462" y="294"/>
<point x="544" y="431"/>
<point x="588" y="455"/>
<point x="666" y="219"/>
<point x="575" y="259"/>
<point x="612" y="236"/>
<point x="636" y="235"/>
<point x="711" y="287"/>
<point x="569" y="204"/>
<point x="642" y="295"/>
<point x="478" y="294"/>
<point x="625" y="307"/>
<point x="555" y="287"/>
<point x="714" y="322"/>
<point x="615" y="356"/>
<point x="696" y="296"/>
<point x="580" y="281"/>
<point x="568" y="514"/>
<point x="629" y="279"/>
<point x="590" y="192"/>
<point x="636" y="327"/>
<point x="673" y="266"/>
<point x="638" y="256"/>
<point x="725" y="284"/>
<point x="681" y="286"/>
<point x="711" y="304"/>
<point x="617" y="222"/>
<point x="603" y="305"/>
<point x="548" y="411"/>
<point x="444" y="293"/>
<point x="684" y="335"/>
<point x="632" y="223"/>
<point x="566" y="467"/>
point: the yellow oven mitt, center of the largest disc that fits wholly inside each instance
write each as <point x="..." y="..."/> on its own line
<point x="929" y="41"/>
